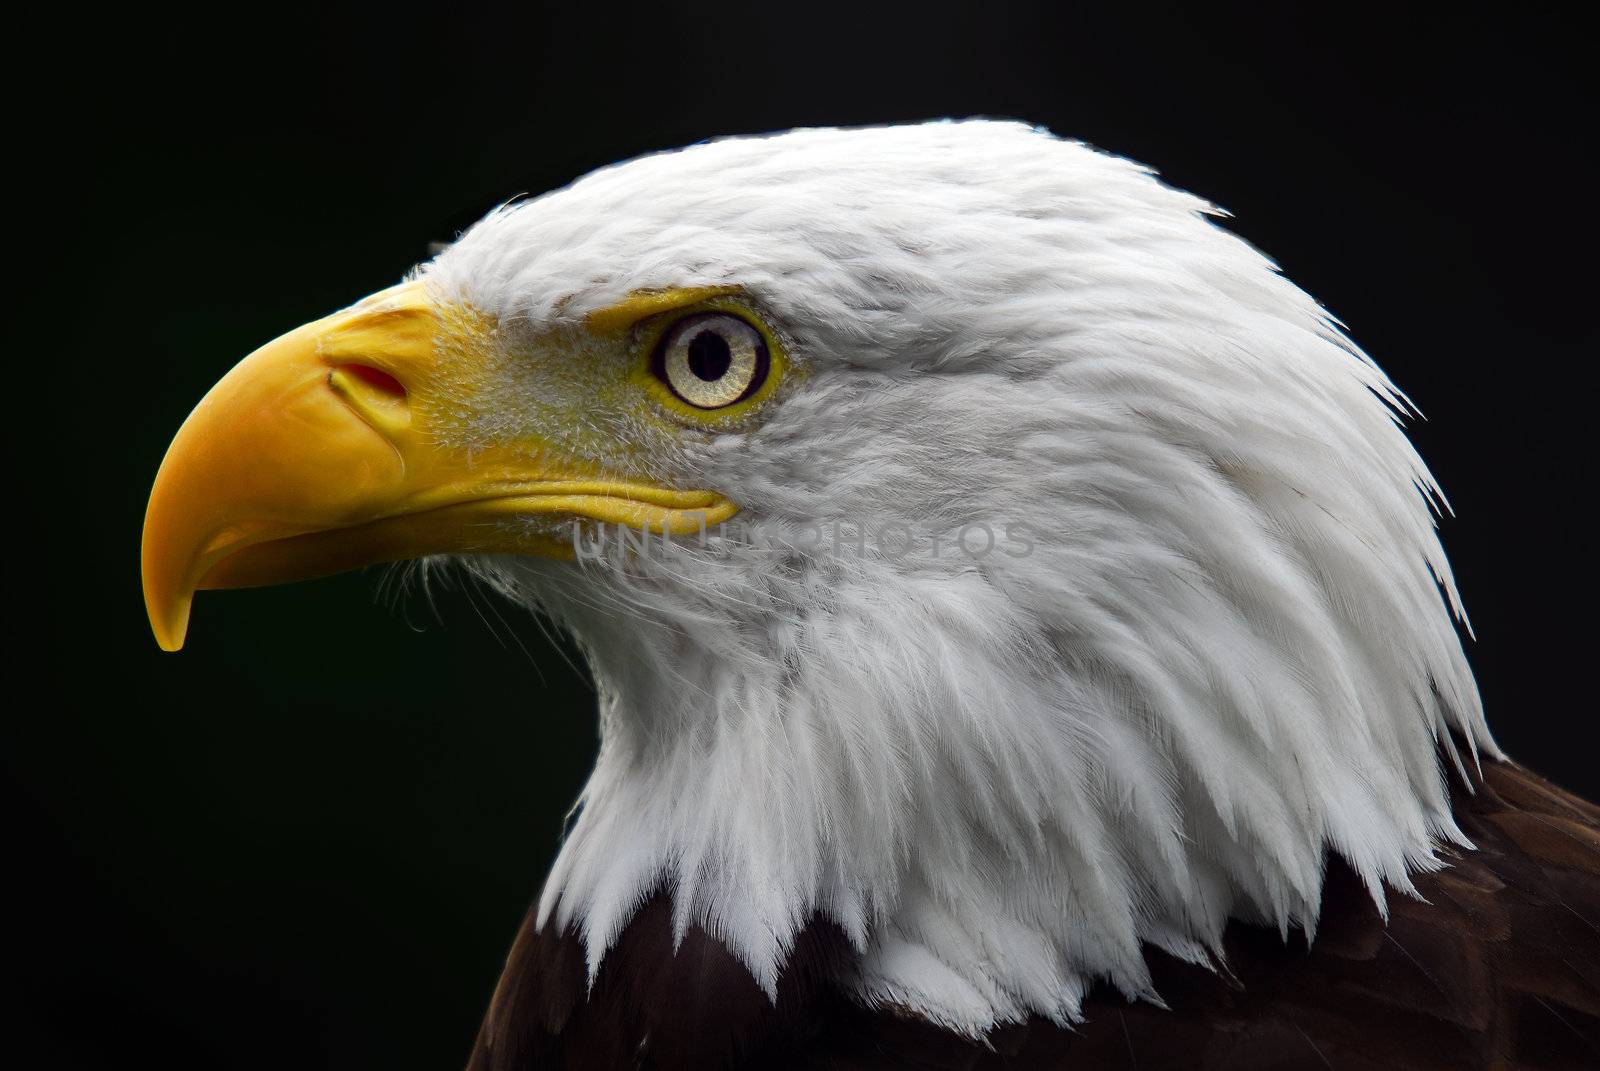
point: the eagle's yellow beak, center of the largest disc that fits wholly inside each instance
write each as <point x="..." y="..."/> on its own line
<point x="324" y="451"/>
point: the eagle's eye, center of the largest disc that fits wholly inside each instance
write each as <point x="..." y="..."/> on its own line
<point x="712" y="360"/>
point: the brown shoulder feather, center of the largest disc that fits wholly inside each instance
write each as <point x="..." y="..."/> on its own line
<point x="1497" y="967"/>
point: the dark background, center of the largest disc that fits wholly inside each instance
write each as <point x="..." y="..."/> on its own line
<point x="307" y="840"/>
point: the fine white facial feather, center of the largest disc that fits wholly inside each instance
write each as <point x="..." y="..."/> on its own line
<point x="1230" y="649"/>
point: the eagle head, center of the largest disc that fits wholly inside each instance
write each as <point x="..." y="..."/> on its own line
<point x="973" y="544"/>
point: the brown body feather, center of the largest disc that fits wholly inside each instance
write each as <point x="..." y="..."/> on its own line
<point x="1499" y="967"/>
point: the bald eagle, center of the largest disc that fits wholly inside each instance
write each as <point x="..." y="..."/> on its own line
<point x="1017" y="614"/>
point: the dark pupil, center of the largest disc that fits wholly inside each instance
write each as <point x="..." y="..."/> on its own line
<point x="709" y="355"/>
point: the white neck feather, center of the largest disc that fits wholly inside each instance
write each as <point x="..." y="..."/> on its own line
<point x="1001" y="783"/>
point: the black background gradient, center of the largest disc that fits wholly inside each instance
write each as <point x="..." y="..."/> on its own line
<point x="307" y="840"/>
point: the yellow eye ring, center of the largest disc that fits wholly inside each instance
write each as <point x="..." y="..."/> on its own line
<point x="711" y="360"/>
<point x="651" y="339"/>
<point x="656" y="319"/>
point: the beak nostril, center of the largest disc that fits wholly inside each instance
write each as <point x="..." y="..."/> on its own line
<point x="377" y="379"/>
<point x="379" y="398"/>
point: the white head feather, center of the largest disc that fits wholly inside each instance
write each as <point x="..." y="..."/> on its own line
<point x="1229" y="649"/>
